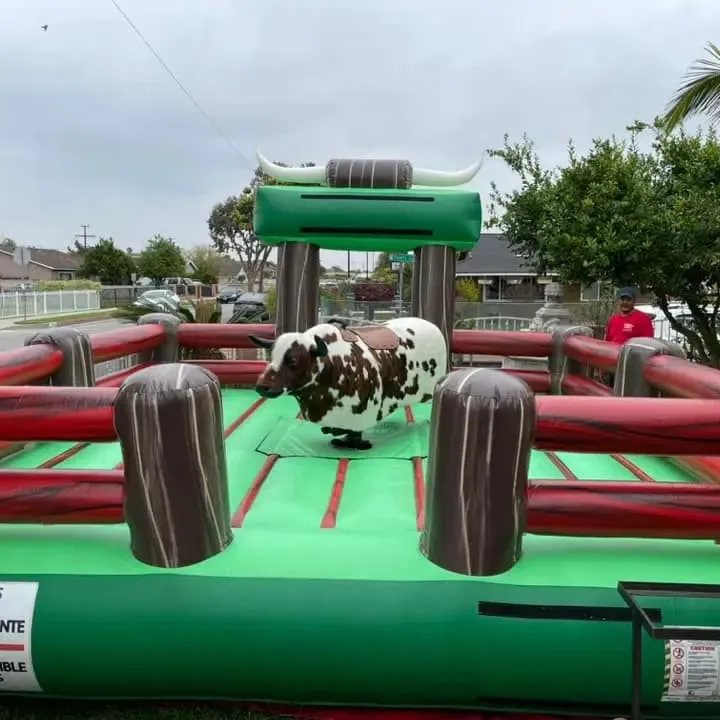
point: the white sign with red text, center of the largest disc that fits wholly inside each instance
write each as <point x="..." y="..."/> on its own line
<point x="17" y="608"/>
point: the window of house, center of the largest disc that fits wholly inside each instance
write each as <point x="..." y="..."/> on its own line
<point x="64" y="276"/>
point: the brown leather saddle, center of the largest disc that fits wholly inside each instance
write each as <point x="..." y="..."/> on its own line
<point x="377" y="337"/>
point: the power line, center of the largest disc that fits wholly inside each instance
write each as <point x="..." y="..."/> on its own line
<point x="84" y="235"/>
<point x="176" y="80"/>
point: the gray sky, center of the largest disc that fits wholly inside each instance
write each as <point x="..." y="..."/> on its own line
<point x="92" y="130"/>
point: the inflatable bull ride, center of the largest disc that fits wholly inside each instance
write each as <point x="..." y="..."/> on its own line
<point x="486" y="532"/>
<point x="349" y="379"/>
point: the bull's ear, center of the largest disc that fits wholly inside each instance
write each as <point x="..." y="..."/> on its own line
<point x="261" y="342"/>
<point x="320" y="349"/>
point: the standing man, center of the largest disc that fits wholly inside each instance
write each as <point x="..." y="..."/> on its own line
<point x="628" y="322"/>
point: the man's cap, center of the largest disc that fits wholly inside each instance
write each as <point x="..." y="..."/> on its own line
<point x="627" y="292"/>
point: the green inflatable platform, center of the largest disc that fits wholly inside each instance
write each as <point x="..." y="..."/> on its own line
<point x="325" y="598"/>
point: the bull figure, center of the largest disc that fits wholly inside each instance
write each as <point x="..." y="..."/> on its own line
<point x="348" y="379"/>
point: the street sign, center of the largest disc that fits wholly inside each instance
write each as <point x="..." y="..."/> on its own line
<point x="405" y="258"/>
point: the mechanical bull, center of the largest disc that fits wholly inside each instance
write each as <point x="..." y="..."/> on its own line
<point x="348" y="379"/>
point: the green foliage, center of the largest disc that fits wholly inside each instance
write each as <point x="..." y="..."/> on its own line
<point x="232" y="229"/>
<point x="467" y="290"/>
<point x="7" y="244"/>
<point x="627" y="216"/>
<point x="160" y="259"/>
<point x="384" y="273"/>
<point x="60" y="285"/>
<point x="109" y="264"/>
<point x="207" y="261"/>
<point x="202" y="311"/>
<point x="699" y="93"/>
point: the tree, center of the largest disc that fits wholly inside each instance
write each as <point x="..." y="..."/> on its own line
<point x="628" y="217"/>
<point x="7" y="244"/>
<point x="107" y="263"/>
<point x="160" y="259"/>
<point x="699" y="93"/>
<point x="232" y="229"/>
<point x="207" y="262"/>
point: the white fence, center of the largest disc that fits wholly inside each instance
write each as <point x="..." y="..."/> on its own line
<point x="37" y="304"/>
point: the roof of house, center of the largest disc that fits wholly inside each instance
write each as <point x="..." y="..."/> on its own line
<point x="492" y="256"/>
<point x="54" y="259"/>
<point x="229" y="267"/>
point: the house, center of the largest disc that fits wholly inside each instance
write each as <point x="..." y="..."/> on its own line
<point x="44" y="265"/>
<point x="501" y="273"/>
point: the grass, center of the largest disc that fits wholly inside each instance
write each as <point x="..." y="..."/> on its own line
<point x="32" y="709"/>
<point x="69" y="318"/>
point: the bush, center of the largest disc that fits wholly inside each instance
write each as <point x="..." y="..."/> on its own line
<point x="467" y="291"/>
<point x="60" y="285"/>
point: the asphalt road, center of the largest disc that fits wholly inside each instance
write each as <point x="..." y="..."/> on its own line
<point x="14" y="336"/>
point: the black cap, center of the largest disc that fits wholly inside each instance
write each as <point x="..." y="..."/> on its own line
<point x="627" y="292"/>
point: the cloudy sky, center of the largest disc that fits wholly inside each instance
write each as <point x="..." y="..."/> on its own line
<point x="92" y="129"/>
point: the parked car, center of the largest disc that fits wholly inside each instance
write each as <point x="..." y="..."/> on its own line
<point x="250" y="307"/>
<point x="229" y="294"/>
<point x="158" y="298"/>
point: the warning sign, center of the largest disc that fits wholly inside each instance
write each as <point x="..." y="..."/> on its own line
<point x="17" y="607"/>
<point x="692" y="671"/>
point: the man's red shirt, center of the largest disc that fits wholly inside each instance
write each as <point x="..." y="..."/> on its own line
<point x="621" y="328"/>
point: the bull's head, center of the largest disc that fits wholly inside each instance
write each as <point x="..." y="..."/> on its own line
<point x="293" y="363"/>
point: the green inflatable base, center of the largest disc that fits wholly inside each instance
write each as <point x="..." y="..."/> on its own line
<point x="352" y="614"/>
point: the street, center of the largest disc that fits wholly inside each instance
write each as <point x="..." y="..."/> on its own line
<point x="12" y="336"/>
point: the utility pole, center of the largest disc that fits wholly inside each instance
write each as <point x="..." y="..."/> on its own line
<point x="84" y="235"/>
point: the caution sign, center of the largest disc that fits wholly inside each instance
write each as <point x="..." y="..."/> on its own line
<point x="17" y="608"/>
<point x="692" y="671"/>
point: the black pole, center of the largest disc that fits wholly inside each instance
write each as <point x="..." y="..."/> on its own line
<point x="84" y="235"/>
<point x="348" y="271"/>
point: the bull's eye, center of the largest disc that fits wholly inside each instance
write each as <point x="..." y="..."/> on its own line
<point x="290" y="362"/>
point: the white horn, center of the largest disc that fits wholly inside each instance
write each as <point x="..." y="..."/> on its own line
<point x="306" y="175"/>
<point x="440" y="178"/>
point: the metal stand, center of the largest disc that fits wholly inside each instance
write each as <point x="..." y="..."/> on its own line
<point x="641" y="620"/>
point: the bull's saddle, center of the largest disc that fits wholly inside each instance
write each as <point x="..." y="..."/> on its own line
<point x="377" y="337"/>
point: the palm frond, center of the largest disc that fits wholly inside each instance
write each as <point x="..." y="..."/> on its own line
<point x="699" y="93"/>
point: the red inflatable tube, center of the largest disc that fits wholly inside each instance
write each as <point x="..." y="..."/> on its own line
<point x="29" y="364"/>
<point x="624" y="509"/>
<point x="207" y="335"/>
<point x="233" y="372"/>
<point x="127" y="341"/>
<point x="588" y="509"/>
<point x="577" y="385"/>
<point x="61" y="496"/>
<point x="706" y="469"/>
<point x="579" y="424"/>
<point x="651" y="426"/>
<point x="56" y="413"/>
<point x="466" y="342"/>
<point x="538" y="380"/>
<point x="246" y="373"/>
<point x="680" y="378"/>
<point x="116" y="379"/>
<point x="593" y="352"/>
<point x="494" y="342"/>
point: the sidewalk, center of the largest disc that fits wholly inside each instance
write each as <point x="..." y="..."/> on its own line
<point x="17" y="323"/>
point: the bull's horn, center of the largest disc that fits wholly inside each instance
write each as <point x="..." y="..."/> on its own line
<point x="306" y="175"/>
<point x="440" y="178"/>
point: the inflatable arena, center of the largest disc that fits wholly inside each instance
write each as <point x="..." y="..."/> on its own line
<point x="350" y="521"/>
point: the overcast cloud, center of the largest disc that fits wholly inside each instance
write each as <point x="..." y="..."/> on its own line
<point x="92" y="130"/>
